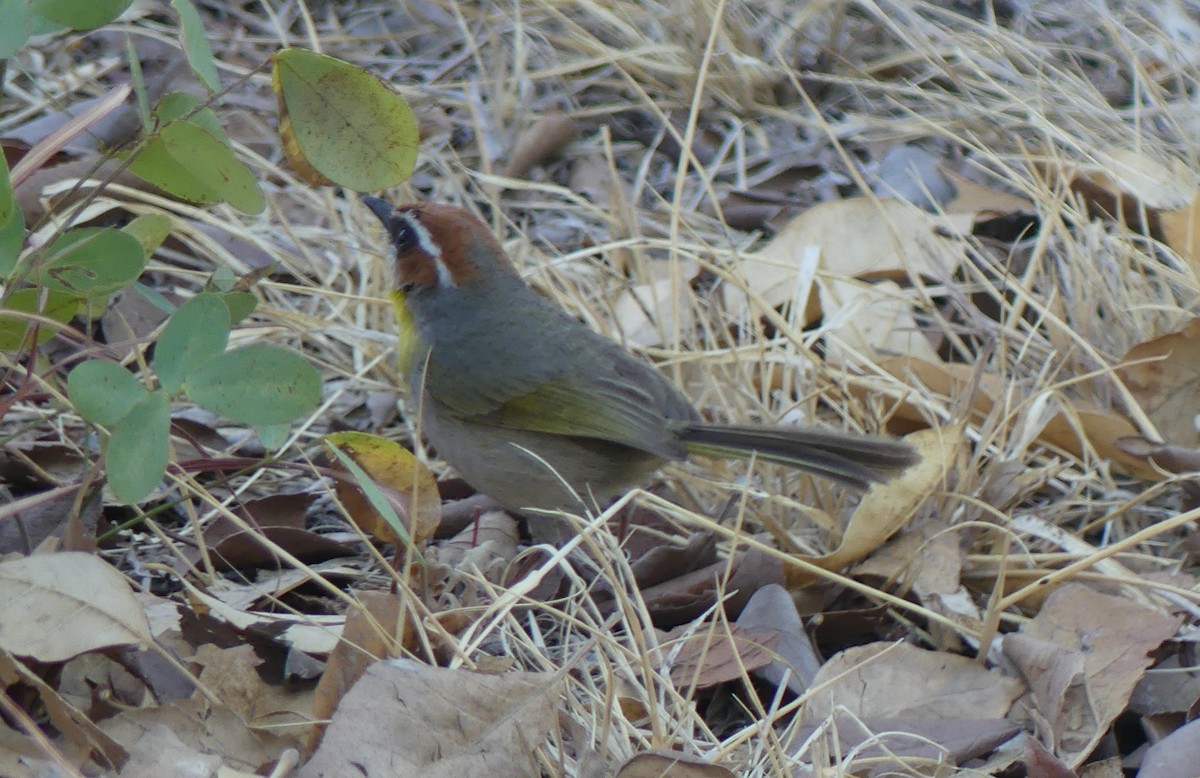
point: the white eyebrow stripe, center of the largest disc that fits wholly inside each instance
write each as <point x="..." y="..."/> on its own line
<point x="426" y="243"/>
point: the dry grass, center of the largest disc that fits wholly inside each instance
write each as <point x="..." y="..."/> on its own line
<point x="759" y="88"/>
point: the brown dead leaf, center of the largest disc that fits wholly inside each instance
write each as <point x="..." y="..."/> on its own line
<point x="404" y="718"/>
<point x="897" y="680"/>
<point x="1175" y="756"/>
<point x="74" y="724"/>
<point x="895" y="746"/>
<point x="671" y="765"/>
<point x="371" y="633"/>
<point x="716" y="653"/>
<point x="679" y="600"/>
<point x="1124" y="183"/>
<point x="1164" y="376"/>
<point x="61" y="605"/>
<point x="887" y="507"/>
<point x="983" y="202"/>
<point x="200" y="726"/>
<point x="772" y="610"/>
<point x="547" y="137"/>
<point x="870" y="320"/>
<point x="857" y="237"/>
<point x="1099" y="428"/>
<point x="1113" y="636"/>
<point x="158" y="752"/>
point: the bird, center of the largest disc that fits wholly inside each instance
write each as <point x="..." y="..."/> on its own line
<point x="538" y="411"/>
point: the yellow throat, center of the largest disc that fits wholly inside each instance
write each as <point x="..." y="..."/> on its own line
<point x="408" y="343"/>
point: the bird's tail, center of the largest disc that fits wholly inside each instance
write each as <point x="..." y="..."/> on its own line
<point x="854" y="460"/>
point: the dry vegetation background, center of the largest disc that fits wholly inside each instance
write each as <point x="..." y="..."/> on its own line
<point x="971" y="223"/>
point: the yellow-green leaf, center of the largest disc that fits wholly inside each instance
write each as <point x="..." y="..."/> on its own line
<point x="342" y="123"/>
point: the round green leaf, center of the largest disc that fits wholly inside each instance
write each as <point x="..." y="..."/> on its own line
<point x="92" y="262"/>
<point x="196" y="333"/>
<point x="342" y="122"/>
<point x="59" y="306"/>
<point x="103" y="392"/>
<point x="191" y="163"/>
<point x="80" y="14"/>
<point x="259" y="384"/>
<point x="136" y="455"/>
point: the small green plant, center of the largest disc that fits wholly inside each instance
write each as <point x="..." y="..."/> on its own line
<point x="183" y="151"/>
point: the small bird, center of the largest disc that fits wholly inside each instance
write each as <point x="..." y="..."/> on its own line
<point x="539" y="412"/>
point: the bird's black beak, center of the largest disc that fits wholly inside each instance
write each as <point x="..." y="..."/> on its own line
<point x="382" y="209"/>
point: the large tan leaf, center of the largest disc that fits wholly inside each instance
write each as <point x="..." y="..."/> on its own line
<point x="406" y="719"/>
<point x="854" y="238"/>
<point x="57" y="606"/>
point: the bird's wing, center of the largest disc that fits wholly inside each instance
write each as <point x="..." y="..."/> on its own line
<point x="601" y="407"/>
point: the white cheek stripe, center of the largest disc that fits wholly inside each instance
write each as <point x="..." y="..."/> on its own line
<point x="426" y="243"/>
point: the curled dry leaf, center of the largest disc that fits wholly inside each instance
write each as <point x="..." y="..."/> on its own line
<point x="1125" y="183"/>
<point x="1164" y="376"/>
<point x="547" y="137"/>
<point x="58" y="606"/>
<point x="404" y="718"/>
<point x="408" y="485"/>
<point x="888" y="506"/>
<point x="1175" y="756"/>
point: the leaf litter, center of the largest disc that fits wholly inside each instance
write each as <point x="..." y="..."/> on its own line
<point x="1019" y="299"/>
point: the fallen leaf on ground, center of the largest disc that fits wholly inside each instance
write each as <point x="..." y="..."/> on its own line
<point x="1112" y="637"/>
<point x="406" y="483"/>
<point x="61" y="605"/>
<point x="772" y="611"/>
<point x="857" y="237"/>
<point x="887" y="507"/>
<point x="371" y="633"/>
<point x="1175" y="756"/>
<point x="1164" y="376"/>
<point x="548" y="136"/>
<point x="404" y="719"/>
<point x="897" y="680"/>
<point x="716" y="653"/>
<point x="658" y="765"/>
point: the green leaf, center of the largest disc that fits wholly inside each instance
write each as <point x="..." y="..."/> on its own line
<point x="150" y="230"/>
<point x="195" y="44"/>
<point x="12" y="222"/>
<point x="240" y="304"/>
<point x="58" y="306"/>
<point x="196" y="333"/>
<point x="92" y="262"/>
<point x="155" y="298"/>
<point x="191" y="163"/>
<point x="342" y="123"/>
<point x="16" y="28"/>
<point x="79" y="14"/>
<point x="259" y="384"/>
<point x="137" y="451"/>
<point x="175" y="105"/>
<point x="102" y="391"/>
<point x="273" y="436"/>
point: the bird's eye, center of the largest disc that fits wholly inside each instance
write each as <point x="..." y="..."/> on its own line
<point x="404" y="236"/>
